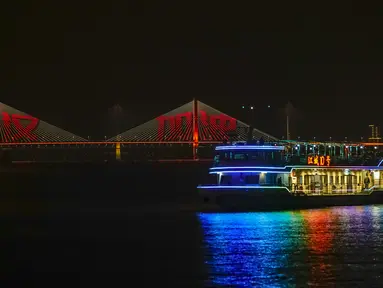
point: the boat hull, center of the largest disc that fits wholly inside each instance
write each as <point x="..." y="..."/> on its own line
<point x="232" y="200"/>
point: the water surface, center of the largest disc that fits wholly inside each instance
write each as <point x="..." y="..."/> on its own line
<point x="339" y="246"/>
<point x="114" y="246"/>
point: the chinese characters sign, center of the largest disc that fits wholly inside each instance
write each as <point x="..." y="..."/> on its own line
<point x="17" y="127"/>
<point x="221" y="122"/>
<point x="319" y="160"/>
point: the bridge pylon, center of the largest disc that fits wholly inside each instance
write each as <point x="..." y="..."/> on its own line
<point x="195" y="129"/>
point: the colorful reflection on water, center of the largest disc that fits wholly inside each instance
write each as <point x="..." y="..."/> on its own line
<point x="319" y="235"/>
<point x="309" y="247"/>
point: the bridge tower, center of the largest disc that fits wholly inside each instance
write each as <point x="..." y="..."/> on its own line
<point x="195" y="129"/>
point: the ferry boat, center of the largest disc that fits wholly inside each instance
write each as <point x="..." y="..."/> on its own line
<point x="293" y="176"/>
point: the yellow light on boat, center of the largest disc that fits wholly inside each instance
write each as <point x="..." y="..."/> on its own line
<point x="346" y="171"/>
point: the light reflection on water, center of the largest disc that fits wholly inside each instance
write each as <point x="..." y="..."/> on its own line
<point x="333" y="246"/>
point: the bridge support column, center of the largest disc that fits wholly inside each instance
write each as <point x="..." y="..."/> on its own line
<point x="195" y="151"/>
<point x="118" y="151"/>
<point x="195" y="129"/>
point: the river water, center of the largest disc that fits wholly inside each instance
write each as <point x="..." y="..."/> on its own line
<point x="118" y="226"/>
<point x="339" y="247"/>
<point x="146" y="247"/>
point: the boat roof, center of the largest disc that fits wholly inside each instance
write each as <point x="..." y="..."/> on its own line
<point x="285" y="169"/>
<point x="250" y="147"/>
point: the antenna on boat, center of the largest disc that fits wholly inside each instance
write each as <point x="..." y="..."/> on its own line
<point x="250" y="134"/>
<point x="289" y="110"/>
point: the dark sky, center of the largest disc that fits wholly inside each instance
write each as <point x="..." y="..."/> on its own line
<point x="68" y="63"/>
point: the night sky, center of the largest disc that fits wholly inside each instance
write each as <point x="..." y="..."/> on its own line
<point x="68" y="63"/>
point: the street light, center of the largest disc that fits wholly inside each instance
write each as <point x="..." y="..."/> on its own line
<point x="251" y="110"/>
<point x="251" y="118"/>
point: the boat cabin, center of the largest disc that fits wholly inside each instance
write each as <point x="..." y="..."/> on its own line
<point x="272" y="165"/>
<point x="246" y="154"/>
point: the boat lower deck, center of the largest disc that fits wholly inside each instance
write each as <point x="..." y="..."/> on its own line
<point x="281" y="199"/>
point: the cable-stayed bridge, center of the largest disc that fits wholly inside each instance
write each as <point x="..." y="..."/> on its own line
<point x="189" y="128"/>
<point x="190" y="123"/>
<point x="17" y="127"/>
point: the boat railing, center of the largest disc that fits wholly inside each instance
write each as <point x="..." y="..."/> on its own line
<point x="277" y="163"/>
<point x="354" y="190"/>
<point x="297" y="161"/>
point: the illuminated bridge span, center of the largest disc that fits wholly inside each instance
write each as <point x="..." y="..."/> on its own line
<point x="188" y="127"/>
<point x="17" y="127"/>
<point x="193" y="123"/>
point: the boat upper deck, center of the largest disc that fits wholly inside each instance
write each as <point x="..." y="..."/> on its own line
<point x="295" y="153"/>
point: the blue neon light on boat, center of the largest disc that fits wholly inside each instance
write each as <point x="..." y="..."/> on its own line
<point x="248" y="171"/>
<point x="245" y="187"/>
<point x="249" y="167"/>
<point x="250" y="147"/>
<point x="380" y="163"/>
<point x="298" y="167"/>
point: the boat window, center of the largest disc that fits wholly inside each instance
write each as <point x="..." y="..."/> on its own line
<point x="240" y="156"/>
<point x="264" y="157"/>
<point x="226" y="180"/>
<point x="252" y="179"/>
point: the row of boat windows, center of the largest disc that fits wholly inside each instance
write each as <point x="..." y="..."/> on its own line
<point x="253" y="155"/>
<point x="250" y="179"/>
<point x="303" y="180"/>
<point x="330" y="179"/>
